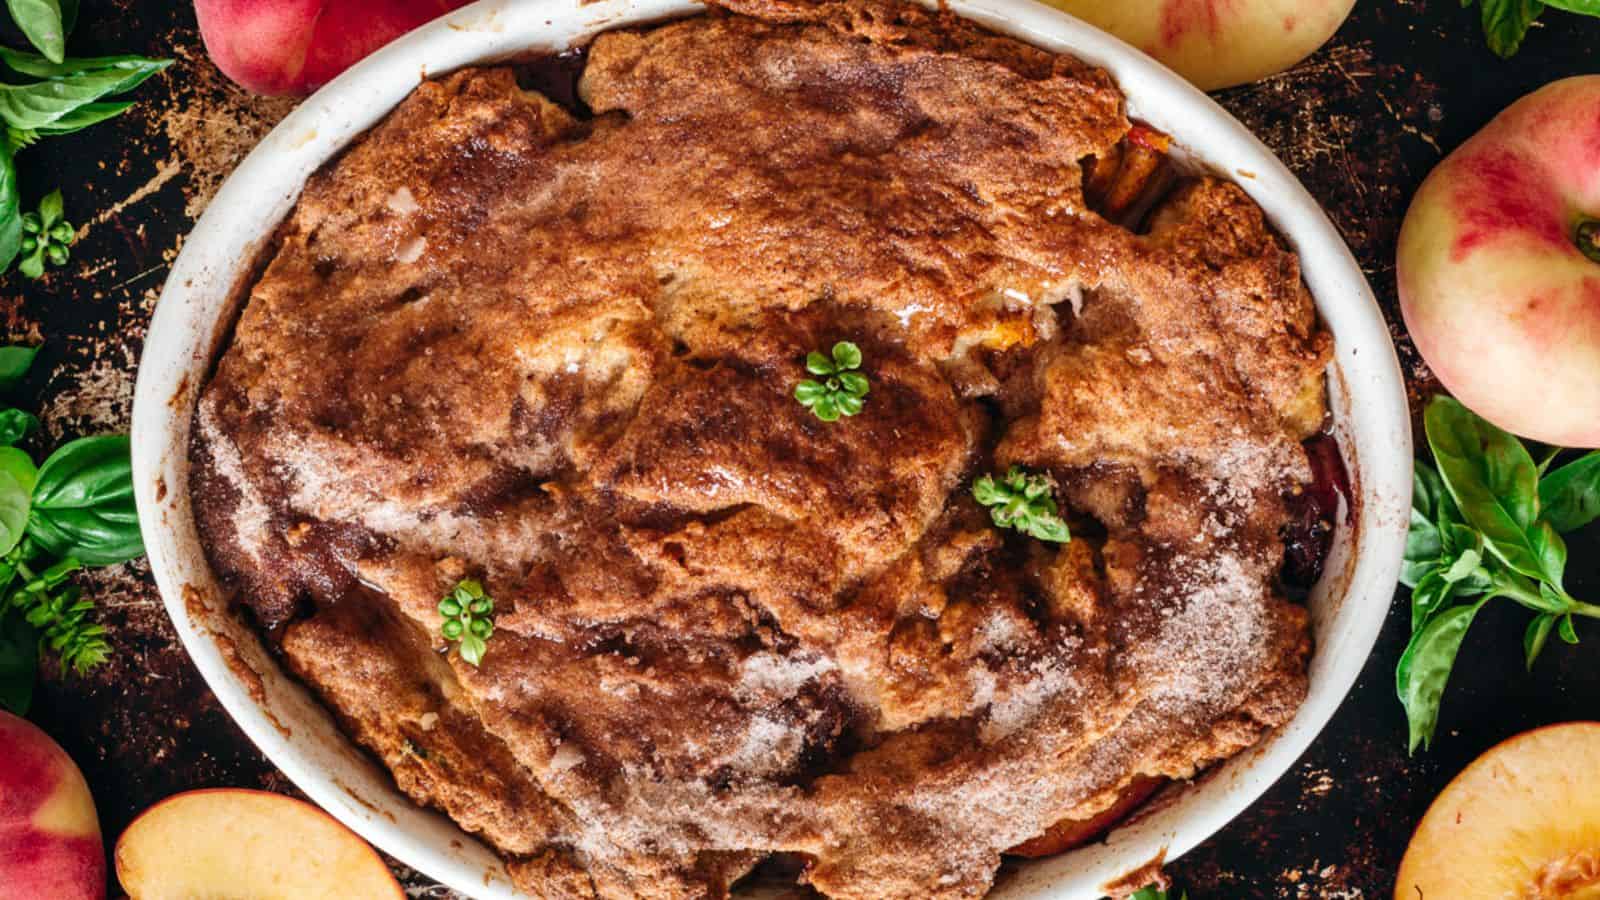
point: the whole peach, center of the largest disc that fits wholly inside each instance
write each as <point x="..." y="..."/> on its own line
<point x="49" y="833"/>
<point x="1499" y="267"/>
<point x="1218" y="43"/>
<point x="296" y="46"/>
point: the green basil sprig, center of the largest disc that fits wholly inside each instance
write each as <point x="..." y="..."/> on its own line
<point x="1506" y="22"/>
<point x="1484" y="525"/>
<point x="45" y="237"/>
<point x="1024" y="501"/>
<point x="77" y="509"/>
<point x="65" y="95"/>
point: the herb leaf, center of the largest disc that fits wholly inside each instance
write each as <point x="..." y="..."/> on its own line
<point x="10" y="208"/>
<point x="1425" y="668"/>
<point x="45" y="236"/>
<point x="17" y="476"/>
<point x="43" y="24"/>
<point x="468" y="619"/>
<point x="1506" y="23"/>
<point x="843" y="393"/>
<point x="15" y="361"/>
<point x="40" y="103"/>
<point x="1424" y="543"/>
<point x="1023" y="502"/>
<point x="84" y="116"/>
<point x="1582" y="7"/>
<point x="83" y="502"/>
<point x="15" y="425"/>
<point x="38" y="66"/>
<point x="1494" y="482"/>
<point x="1570" y="496"/>
<point x="1537" y="635"/>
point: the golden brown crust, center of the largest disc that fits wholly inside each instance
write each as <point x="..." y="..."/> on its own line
<point x="558" y="354"/>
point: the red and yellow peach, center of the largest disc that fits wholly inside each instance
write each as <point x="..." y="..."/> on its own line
<point x="1218" y="43"/>
<point x="49" y="834"/>
<point x="296" y="46"/>
<point x="1499" y="267"/>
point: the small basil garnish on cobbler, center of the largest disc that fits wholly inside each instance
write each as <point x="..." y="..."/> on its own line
<point x="1024" y="502"/>
<point x="468" y="619"/>
<point x="842" y="392"/>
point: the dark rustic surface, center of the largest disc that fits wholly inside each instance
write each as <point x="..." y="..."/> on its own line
<point x="1361" y="123"/>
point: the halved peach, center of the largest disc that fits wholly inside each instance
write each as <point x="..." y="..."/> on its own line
<point x="249" y="845"/>
<point x="1522" y="821"/>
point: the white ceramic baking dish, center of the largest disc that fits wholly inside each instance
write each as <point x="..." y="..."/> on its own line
<point x="199" y="303"/>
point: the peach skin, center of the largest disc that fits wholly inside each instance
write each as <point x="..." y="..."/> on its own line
<point x="296" y="46"/>
<point x="1499" y="267"/>
<point x="1218" y="43"/>
<point x="49" y="833"/>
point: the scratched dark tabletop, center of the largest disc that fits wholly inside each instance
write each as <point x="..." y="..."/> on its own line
<point x="1361" y="123"/>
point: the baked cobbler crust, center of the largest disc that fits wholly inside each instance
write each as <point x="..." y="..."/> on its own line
<point x="558" y="354"/>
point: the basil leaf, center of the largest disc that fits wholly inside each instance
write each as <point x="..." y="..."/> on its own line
<point x="16" y="425"/>
<point x="1426" y="491"/>
<point x="1506" y="22"/>
<point x="1430" y="595"/>
<point x="10" y="208"/>
<point x="39" y="67"/>
<point x="1494" y="483"/>
<point x="92" y="537"/>
<point x="1567" y="632"/>
<point x="1570" y="496"/>
<point x="1424" y="545"/>
<point x="1550" y="550"/>
<point x="36" y="105"/>
<point x="15" y="361"/>
<point x="41" y="21"/>
<point x="19" y="663"/>
<point x="1459" y="539"/>
<point x="1545" y="600"/>
<point x="1425" y="668"/>
<point x="1537" y="635"/>
<point x="1465" y="565"/>
<point x="84" y="116"/>
<point x="16" y="485"/>
<point x="1412" y="573"/>
<point x="83" y="503"/>
<point x="1581" y="7"/>
<point x="86" y="472"/>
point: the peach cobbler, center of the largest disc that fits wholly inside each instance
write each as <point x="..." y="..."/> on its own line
<point x="831" y="442"/>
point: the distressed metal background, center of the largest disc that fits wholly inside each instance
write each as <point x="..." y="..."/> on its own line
<point x="1361" y="123"/>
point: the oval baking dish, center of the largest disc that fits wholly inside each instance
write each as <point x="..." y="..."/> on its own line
<point x="297" y="733"/>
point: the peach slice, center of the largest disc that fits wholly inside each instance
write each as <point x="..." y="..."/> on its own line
<point x="1522" y="821"/>
<point x="1070" y="833"/>
<point x="1218" y="43"/>
<point x="248" y="845"/>
<point x="49" y="834"/>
